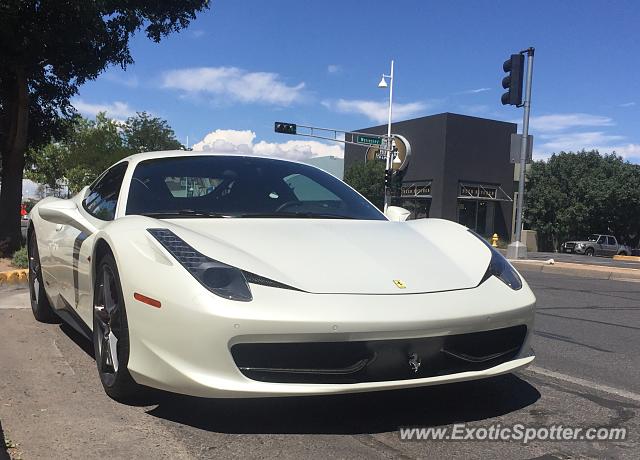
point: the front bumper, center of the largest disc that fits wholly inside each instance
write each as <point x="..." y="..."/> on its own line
<point x="186" y="346"/>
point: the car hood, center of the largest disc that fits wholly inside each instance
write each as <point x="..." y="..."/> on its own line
<point x="344" y="256"/>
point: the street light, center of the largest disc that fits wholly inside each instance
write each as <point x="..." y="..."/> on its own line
<point x="383" y="84"/>
<point x="397" y="162"/>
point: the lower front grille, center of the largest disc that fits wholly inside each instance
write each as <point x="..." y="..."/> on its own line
<point x="377" y="360"/>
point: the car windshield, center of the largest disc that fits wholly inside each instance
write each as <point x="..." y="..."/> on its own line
<point x="593" y="238"/>
<point x="237" y="186"/>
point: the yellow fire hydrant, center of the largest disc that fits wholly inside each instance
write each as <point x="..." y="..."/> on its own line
<point x="494" y="240"/>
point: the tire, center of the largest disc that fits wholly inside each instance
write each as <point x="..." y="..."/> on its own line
<point x="589" y="252"/>
<point x="111" y="335"/>
<point x="623" y="253"/>
<point x="40" y="306"/>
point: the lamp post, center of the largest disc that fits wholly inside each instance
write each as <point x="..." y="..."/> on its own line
<point x="388" y="166"/>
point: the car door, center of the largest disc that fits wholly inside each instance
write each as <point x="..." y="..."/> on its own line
<point x="601" y="246"/>
<point x="98" y="206"/>
<point x="612" y="246"/>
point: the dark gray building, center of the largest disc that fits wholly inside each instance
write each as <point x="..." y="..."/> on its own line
<point x="459" y="170"/>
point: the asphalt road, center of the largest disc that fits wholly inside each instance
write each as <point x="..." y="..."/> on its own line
<point x="587" y="373"/>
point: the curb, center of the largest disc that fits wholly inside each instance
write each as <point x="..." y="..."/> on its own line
<point x="627" y="258"/>
<point x="14" y="277"/>
<point x="583" y="270"/>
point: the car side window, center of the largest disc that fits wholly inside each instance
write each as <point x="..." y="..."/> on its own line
<point x="602" y="240"/>
<point x="102" y="197"/>
<point x="611" y="241"/>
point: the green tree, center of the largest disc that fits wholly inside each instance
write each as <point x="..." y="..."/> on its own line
<point x="47" y="165"/>
<point x="574" y="194"/>
<point x="91" y="146"/>
<point x="368" y="179"/>
<point x="49" y="49"/>
<point x="144" y="133"/>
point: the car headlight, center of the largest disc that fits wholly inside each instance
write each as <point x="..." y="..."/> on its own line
<point x="221" y="279"/>
<point x="500" y="267"/>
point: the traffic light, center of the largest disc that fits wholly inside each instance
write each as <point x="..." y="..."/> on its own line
<point x="285" y="128"/>
<point x="514" y="66"/>
<point x="388" y="177"/>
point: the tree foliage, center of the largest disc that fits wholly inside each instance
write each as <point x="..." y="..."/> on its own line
<point x="144" y="133"/>
<point x="574" y="194"/>
<point x="368" y="179"/>
<point x="92" y="146"/>
<point x="50" y="48"/>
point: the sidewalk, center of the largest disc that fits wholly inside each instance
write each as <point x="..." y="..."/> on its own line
<point x="575" y="269"/>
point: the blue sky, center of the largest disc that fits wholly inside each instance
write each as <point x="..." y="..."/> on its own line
<point x="244" y="64"/>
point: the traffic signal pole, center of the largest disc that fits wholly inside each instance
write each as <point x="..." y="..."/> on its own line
<point x="518" y="249"/>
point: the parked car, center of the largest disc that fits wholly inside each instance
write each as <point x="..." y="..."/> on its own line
<point x="24" y="223"/>
<point x="597" y="245"/>
<point x="299" y="299"/>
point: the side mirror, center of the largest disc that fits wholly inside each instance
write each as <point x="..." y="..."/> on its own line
<point x="397" y="214"/>
<point x="65" y="212"/>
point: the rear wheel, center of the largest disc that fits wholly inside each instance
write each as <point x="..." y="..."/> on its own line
<point x="40" y="305"/>
<point x="111" y="334"/>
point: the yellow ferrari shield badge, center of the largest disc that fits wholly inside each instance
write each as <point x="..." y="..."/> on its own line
<point x="399" y="284"/>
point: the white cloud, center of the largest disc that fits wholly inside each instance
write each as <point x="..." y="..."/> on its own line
<point x="115" y="109"/>
<point x="234" y="83"/>
<point x="334" y="68"/>
<point x="573" y="141"/>
<point x="475" y="91"/>
<point x="566" y="132"/>
<point x="627" y="104"/>
<point x="232" y="136"/>
<point x="594" y="140"/>
<point x="563" y="121"/>
<point x="242" y="141"/>
<point x="624" y="150"/>
<point x="377" y="111"/>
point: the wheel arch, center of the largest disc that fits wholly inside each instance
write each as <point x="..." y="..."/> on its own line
<point x="100" y="249"/>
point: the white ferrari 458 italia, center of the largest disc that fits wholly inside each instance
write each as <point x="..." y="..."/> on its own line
<point x="241" y="276"/>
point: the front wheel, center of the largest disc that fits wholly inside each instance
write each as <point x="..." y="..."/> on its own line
<point x="40" y="305"/>
<point x="111" y="334"/>
<point x="589" y="252"/>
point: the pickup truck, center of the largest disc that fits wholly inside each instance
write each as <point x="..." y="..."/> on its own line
<point x="597" y="245"/>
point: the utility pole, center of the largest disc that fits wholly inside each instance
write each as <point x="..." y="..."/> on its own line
<point x="518" y="249"/>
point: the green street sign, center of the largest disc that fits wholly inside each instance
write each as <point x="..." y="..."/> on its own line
<point x="369" y="140"/>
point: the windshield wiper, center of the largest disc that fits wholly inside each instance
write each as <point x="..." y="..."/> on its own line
<point x="290" y="214"/>
<point x="184" y="213"/>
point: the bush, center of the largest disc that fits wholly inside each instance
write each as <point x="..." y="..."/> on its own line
<point x="21" y="258"/>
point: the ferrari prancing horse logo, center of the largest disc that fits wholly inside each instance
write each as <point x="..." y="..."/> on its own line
<point x="399" y="284"/>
